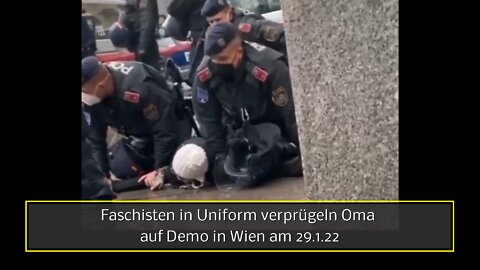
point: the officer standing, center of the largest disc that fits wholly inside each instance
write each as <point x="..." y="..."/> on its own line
<point x="136" y="30"/>
<point x="89" y="45"/>
<point x="188" y="19"/>
<point x="253" y="27"/>
<point x="134" y="99"/>
<point x="240" y="83"/>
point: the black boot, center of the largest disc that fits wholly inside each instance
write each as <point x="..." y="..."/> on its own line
<point x="238" y="151"/>
<point x="290" y="161"/>
<point x="288" y="151"/>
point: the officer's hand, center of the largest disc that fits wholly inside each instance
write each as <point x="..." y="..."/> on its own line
<point x="153" y="180"/>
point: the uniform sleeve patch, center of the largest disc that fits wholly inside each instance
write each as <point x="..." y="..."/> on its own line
<point x="245" y="27"/>
<point x="204" y="74"/>
<point x="131" y="97"/>
<point x="151" y="112"/>
<point x="271" y="34"/>
<point x="260" y="74"/>
<point x="280" y="97"/>
<point x="202" y="95"/>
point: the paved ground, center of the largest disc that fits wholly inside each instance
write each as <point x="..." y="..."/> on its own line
<point x="280" y="189"/>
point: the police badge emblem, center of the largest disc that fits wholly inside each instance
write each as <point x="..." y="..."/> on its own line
<point x="151" y="112"/>
<point x="280" y="97"/>
<point x="202" y="95"/>
<point x="271" y="34"/>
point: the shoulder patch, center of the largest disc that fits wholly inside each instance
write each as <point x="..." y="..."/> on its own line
<point x="151" y="112"/>
<point x="280" y="97"/>
<point x="202" y="95"/>
<point x="245" y="27"/>
<point x="260" y="74"/>
<point x="131" y="97"/>
<point x="271" y="34"/>
<point x="204" y="74"/>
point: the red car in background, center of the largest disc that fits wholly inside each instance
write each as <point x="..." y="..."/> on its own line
<point x="175" y="56"/>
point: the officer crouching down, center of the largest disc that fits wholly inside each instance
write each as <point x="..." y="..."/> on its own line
<point x="244" y="91"/>
<point x="132" y="98"/>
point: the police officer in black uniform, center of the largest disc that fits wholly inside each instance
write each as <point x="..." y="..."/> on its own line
<point x="134" y="99"/>
<point x="89" y="45"/>
<point x="253" y="27"/>
<point x="94" y="182"/>
<point x="136" y="30"/>
<point x="189" y="24"/>
<point x="240" y="82"/>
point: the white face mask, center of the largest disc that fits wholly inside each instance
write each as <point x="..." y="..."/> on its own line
<point x="90" y="100"/>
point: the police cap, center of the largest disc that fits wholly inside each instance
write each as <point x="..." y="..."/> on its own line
<point x="90" y="68"/>
<point x="212" y="7"/>
<point x="219" y="37"/>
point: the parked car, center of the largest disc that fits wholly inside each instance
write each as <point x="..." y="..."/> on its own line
<point x="95" y="23"/>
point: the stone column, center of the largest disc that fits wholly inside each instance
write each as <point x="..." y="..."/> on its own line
<point x="343" y="58"/>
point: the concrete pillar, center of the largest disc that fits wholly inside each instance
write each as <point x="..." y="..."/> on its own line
<point x="344" y="68"/>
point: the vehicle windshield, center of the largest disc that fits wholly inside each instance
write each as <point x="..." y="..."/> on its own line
<point x="257" y="6"/>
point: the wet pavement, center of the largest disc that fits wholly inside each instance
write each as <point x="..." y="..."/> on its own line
<point x="279" y="189"/>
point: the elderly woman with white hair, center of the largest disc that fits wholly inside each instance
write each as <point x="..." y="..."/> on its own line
<point x="189" y="169"/>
